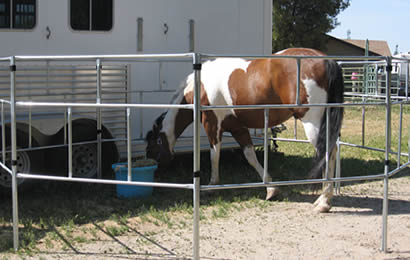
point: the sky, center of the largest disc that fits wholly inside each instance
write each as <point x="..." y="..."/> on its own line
<point x="387" y="20"/>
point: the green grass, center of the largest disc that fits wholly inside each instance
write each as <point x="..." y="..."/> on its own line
<point x="56" y="212"/>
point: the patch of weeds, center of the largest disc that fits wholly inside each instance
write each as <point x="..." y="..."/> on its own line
<point x="142" y="241"/>
<point x="68" y="229"/>
<point x="80" y="239"/>
<point x="145" y="219"/>
<point x="49" y="243"/>
<point x="116" y="230"/>
<point x="28" y="237"/>
<point x="220" y="212"/>
<point x="53" y="235"/>
<point x="93" y="233"/>
<point x="161" y="216"/>
<point x="6" y="244"/>
<point x="202" y="217"/>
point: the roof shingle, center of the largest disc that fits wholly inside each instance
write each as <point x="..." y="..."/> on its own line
<point x="379" y="47"/>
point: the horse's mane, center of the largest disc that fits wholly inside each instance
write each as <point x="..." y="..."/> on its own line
<point x="188" y="82"/>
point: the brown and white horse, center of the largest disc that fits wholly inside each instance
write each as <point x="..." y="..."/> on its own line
<point x="235" y="81"/>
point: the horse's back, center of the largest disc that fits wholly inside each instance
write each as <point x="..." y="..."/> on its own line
<point x="236" y="81"/>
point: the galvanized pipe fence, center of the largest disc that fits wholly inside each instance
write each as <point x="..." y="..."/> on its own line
<point x="197" y="59"/>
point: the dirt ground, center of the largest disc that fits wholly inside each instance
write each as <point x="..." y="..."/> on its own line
<point x="287" y="229"/>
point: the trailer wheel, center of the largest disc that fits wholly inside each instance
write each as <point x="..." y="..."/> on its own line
<point x="85" y="160"/>
<point x="23" y="165"/>
<point x="27" y="161"/>
<point x="85" y="155"/>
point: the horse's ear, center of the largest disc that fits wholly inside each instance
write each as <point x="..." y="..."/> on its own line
<point x="158" y="123"/>
<point x="156" y="127"/>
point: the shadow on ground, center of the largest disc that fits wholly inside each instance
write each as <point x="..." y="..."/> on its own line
<point x="52" y="204"/>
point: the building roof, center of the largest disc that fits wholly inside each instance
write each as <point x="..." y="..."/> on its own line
<point x="378" y="47"/>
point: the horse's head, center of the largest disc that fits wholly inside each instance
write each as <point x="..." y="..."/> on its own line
<point x="158" y="147"/>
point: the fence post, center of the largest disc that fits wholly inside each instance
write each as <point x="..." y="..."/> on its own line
<point x="129" y="148"/>
<point x="338" y="166"/>
<point x="265" y="145"/>
<point x="99" y="131"/>
<point x="327" y="142"/>
<point x="387" y="152"/>
<point x="14" y="152"/>
<point x="298" y="73"/>
<point x="197" y="151"/>
<point x="400" y="135"/>
<point x="70" y="141"/>
<point x="3" y="135"/>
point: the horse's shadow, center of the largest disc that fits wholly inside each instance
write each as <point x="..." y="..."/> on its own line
<point x="357" y="205"/>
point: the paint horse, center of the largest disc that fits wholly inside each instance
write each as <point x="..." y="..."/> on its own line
<point x="235" y="81"/>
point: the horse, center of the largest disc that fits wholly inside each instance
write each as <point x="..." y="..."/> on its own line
<point x="236" y="81"/>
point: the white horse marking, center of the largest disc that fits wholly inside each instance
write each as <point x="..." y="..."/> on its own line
<point x="311" y="120"/>
<point x="215" y="155"/>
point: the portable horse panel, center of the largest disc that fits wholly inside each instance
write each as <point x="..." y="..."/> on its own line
<point x="195" y="186"/>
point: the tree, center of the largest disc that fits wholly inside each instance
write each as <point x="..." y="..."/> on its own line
<point x="304" y="23"/>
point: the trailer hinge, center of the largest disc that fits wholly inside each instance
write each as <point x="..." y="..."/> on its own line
<point x="386" y="162"/>
<point x="197" y="66"/>
<point x="13" y="68"/>
<point x="196" y="174"/>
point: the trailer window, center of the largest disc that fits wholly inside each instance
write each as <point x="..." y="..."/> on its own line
<point x="21" y="16"/>
<point x="91" y="15"/>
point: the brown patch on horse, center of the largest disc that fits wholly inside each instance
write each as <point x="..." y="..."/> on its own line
<point x="314" y="69"/>
<point x="238" y="130"/>
<point x="210" y="124"/>
<point x="254" y="86"/>
<point x="209" y="120"/>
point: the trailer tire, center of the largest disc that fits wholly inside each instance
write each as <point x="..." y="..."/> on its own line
<point x="27" y="161"/>
<point x="85" y="156"/>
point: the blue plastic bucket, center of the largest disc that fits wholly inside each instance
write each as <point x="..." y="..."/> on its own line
<point x="141" y="174"/>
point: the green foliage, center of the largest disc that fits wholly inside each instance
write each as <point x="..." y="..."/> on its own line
<point x="301" y="23"/>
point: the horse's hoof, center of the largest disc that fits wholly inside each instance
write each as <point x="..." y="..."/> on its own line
<point x="322" y="204"/>
<point x="322" y="208"/>
<point x="271" y="192"/>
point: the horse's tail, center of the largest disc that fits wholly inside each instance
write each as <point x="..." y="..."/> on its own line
<point x="334" y="95"/>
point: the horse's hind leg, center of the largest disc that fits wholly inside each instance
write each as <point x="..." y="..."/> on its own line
<point x="241" y="135"/>
<point x="215" y="155"/>
<point x="323" y="203"/>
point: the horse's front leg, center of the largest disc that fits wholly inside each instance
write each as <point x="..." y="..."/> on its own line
<point x="242" y="136"/>
<point x="214" y="133"/>
<point x="323" y="203"/>
<point x="250" y="156"/>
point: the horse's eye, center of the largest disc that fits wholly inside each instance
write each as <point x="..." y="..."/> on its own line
<point x="159" y="141"/>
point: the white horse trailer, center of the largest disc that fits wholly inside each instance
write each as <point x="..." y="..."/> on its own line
<point x="102" y="27"/>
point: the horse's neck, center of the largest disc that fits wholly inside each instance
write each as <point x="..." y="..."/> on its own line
<point x="177" y="120"/>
